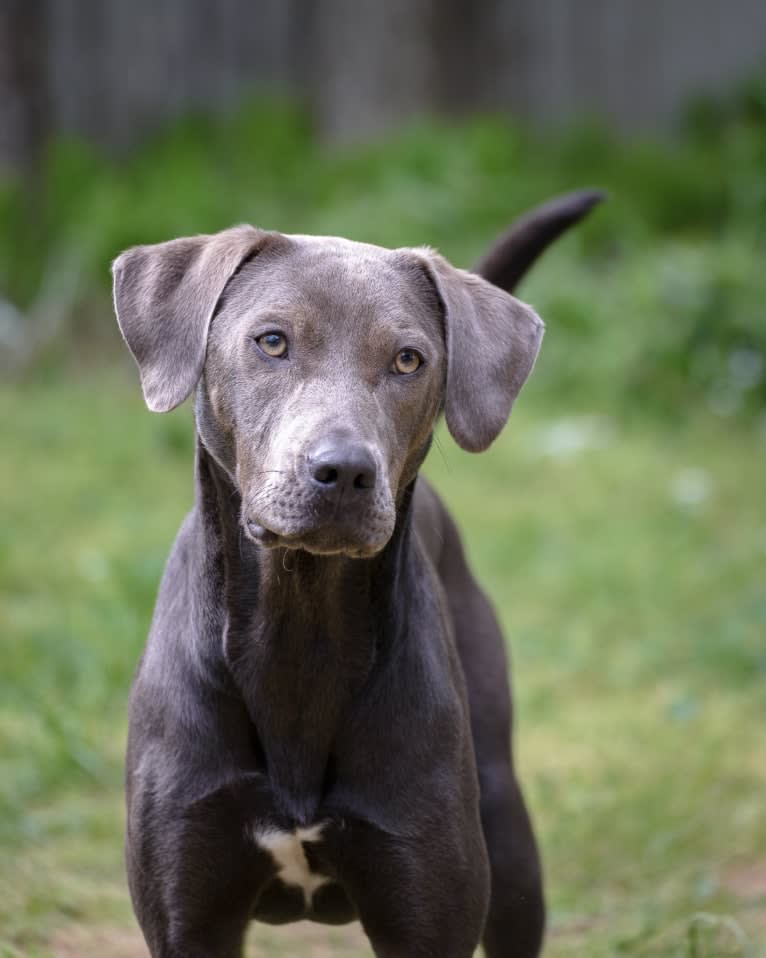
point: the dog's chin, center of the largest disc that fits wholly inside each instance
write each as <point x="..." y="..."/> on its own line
<point x="322" y="541"/>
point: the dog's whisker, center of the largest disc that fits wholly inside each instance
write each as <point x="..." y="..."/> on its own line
<point x="437" y="443"/>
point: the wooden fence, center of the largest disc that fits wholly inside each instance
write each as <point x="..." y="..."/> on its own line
<point x="112" y="69"/>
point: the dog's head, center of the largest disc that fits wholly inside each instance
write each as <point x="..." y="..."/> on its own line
<point x="322" y="365"/>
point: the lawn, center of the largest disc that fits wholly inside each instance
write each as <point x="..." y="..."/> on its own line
<point x="626" y="558"/>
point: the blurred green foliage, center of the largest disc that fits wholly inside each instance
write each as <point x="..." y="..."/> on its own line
<point x="660" y="298"/>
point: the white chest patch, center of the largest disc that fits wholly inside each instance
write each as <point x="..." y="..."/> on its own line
<point x="286" y="848"/>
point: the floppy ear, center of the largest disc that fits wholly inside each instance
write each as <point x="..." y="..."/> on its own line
<point x="492" y="342"/>
<point x="165" y="297"/>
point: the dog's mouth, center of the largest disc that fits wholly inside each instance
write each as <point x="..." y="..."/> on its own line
<point x="325" y="540"/>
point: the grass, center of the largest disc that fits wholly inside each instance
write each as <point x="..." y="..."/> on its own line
<point x="626" y="558"/>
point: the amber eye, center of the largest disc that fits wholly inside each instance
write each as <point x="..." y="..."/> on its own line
<point x="407" y="361"/>
<point x="273" y="344"/>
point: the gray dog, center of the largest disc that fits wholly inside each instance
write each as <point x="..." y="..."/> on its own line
<point x="320" y="724"/>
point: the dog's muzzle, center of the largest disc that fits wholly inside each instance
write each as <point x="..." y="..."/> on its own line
<point x="337" y="504"/>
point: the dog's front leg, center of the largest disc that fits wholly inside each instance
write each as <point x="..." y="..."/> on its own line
<point x="194" y="872"/>
<point x="433" y="916"/>
<point x="425" y="896"/>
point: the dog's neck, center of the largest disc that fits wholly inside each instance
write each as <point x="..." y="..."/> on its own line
<point x="304" y="633"/>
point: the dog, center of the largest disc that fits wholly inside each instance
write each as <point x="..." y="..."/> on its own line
<point x="320" y="724"/>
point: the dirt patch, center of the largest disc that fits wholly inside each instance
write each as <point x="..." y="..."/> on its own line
<point x="576" y="927"/>
<point x="304" y="939"/>
<point x="309" y="941"/>
<point x="746" y="880"/>
<point x="74" y="941"/>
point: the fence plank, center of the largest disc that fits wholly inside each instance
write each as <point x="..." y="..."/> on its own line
<point x="113" y="70"/>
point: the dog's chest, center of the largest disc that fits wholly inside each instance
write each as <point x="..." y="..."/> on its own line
<point x="288" y="852"/>
<point x="300" y="888"/>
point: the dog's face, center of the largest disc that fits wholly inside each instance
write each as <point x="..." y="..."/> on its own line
<point x="324" y="371"/>
<point x="322" y="366"/>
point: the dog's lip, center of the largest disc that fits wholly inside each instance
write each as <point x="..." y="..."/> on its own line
<point x="306" y="541"/>
<point x="261" y="533"/>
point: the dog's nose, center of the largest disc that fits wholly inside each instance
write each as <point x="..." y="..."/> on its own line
<point x="341" y="466"/>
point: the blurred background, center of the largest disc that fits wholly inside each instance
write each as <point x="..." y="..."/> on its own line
<point x="619" y="523"/>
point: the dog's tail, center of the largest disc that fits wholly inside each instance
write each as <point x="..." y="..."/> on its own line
<point x="515" y="250"/>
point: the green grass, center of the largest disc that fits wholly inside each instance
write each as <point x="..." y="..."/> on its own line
<point x="637" y="618"/>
